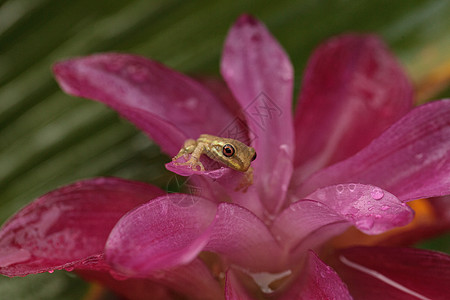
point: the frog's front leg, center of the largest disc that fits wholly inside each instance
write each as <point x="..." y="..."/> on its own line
<point x="188" y="147"/>
<point x="246" y="181"/>
<point x="193" y="148"/>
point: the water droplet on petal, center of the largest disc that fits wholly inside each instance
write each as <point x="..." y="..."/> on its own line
<point x="377" y="193"/>
<point x="385" y="207"/>
<point x="365" y="224"/>
<point x="352" y="187"/>
<point x="51" y="271"/>
<point x="340" y="188"/>
<point x="69" y="269"/>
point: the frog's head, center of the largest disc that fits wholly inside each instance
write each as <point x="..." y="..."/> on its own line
<point x="233" y="153"/>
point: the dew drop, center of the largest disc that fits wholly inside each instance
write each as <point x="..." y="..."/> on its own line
<point x="340" y="188"/>
<point x="51" y="271"/>
<point x="385" y="207"/>
<point x="352" y="187"/>
<point x="69" y="269"/>
<point x="377" y="193"/>
<point x="365" y="224"/>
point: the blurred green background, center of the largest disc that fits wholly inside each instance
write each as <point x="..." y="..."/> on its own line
<point x="48" y="139"/>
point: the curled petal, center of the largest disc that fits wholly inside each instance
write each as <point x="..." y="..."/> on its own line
<point x="68" y="228"/>
<point x="212" y="169"/>
<point x="166" y="232"/>
<point x="172" y="230"/>
<point x="168" y="106"/>
<point x="395" y="273"/>
<point x="371" y="209"/>
<point x="317" y="281"/>
<point x="308" y="223"/>
<point x="411" y="159"/>
<point x="353" y="89"/>
<point x="260" y="75"/>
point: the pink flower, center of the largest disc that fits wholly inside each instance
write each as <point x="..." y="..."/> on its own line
<point x="352" y="154"/>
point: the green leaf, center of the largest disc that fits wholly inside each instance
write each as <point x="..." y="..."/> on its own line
<point x="59" y="285"/>
<point x="48" y="139"/>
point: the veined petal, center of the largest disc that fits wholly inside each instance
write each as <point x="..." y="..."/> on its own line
<point x="371" y="209"/>
<point x="352" y="90"/>
<point x="395" y="273"/>
<point x="330" y="210"/>
<point x="68" y="228"/>
<point x="167" y="232"/>
<point x="172" y="230"/>
<point x="411" y="159"/>
<point x="317" y="281"/>
<point x="260" y="75"/>
<point x="168" y="106"/>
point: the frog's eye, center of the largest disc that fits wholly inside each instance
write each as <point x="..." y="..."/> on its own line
<point x="228" y="150"/>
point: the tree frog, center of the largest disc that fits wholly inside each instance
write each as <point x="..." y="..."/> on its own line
<point x="230" y="152"/>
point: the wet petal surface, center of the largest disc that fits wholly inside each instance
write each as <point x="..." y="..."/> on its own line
<point x="172" y="230"/>
<point x="411" y="159"/>
<point x="68" y="228"/>
<point x="167" y="105"/>
<point x="330" y="210"/>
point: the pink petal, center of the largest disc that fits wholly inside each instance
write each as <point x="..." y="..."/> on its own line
<point x="317" y="281"/>
<point x="260" y="75"/>
<point x="168" y="106"/>
<point x="308" y="223"/>
<point x="171" y="231"/>
<point x="352" y="90"/>
<point x="213" y="169"/>
<point x="68" y="228"/>
<point x="395" y="273"/>
<point x="411" y="159"/>
<point x="435" y="223"/>
<point x="219" y="183"/>
<point x="244" y="240"/>
<point x="371" y="209"/>
<point x="166" y="232"/>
